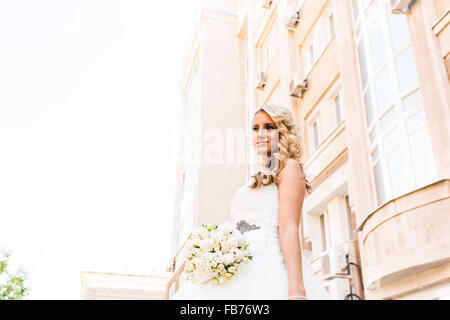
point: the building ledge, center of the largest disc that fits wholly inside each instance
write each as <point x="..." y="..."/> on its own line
<point x="407" y="235"/>
<point x="442" y="23"/>
<point x="408" y="201"/>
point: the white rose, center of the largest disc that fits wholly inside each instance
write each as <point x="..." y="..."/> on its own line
<point x="218" y="257"/>
<point x="196" y="242"/>
<point x="217" y="247"/>
<point x="207" y="245"/>
<point x="228" y="259"/>
<point x="187" y="254"/>
<point x="189" y="267"/>
<point x="195" y="251"/>
<point x="213" y="234"/>
<point x="238" y="255"/>
<point x="225" y="247"/>
<point x="208" y="256"/>
<point x="232" y="242"/>
<point x="189" y="244"/>
<point x="201" y="276"/>
<point x="241" y="240"/>
<point x="204" y="234"/>
<point x="202" y="265"/>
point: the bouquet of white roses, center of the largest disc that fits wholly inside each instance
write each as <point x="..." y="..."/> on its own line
<point x="215" y="253"/>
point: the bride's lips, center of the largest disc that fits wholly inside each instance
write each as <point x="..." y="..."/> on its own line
<point x="262" y="142"/>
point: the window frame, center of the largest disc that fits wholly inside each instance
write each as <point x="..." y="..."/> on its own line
<point x="267" y="51"/>
<point x="335" y="91"/>
<point x="324" y="232"/>
<point x="316" y="140"/>
<point x="361" y="33"/>
<point x="339" y="112"/>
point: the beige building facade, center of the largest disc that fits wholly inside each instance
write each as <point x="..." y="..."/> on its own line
<point x="121" y="286"/>
<point x="368" y="81"/>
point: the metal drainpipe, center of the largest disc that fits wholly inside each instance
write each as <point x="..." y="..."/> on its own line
<point x="351" y="294"/>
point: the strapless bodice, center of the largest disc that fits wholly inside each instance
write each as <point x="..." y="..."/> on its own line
<point x="256" y="206"/>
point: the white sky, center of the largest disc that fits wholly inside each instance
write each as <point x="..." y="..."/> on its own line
<point x="89" y="101"/>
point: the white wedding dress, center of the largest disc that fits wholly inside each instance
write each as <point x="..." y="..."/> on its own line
<point x="265" y="277"/>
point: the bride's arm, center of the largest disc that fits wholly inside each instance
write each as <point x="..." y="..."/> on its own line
<point x="291" y="192"/>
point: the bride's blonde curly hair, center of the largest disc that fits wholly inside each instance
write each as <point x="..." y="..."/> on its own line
<point x="289" y="146"/>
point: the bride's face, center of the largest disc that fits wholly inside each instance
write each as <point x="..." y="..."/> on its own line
<point x="264" y="134"/>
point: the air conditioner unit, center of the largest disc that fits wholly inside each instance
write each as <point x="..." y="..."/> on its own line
<point x="266" y="4"/>
<point x="401" y="6"/>
<point x="261" y="80"/>
<point x="334" y="264"/>
<point x="298" y="86"/>
<point x="294" y="15"/>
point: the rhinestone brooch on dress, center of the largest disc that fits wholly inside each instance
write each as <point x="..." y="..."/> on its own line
<point x="244" y="226"/>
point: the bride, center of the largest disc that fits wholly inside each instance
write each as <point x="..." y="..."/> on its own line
<point x="268" y="208"/>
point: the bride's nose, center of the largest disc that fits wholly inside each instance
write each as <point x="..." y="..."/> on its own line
<point x="262" y="133"/>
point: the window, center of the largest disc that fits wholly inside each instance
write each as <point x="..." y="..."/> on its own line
<point x="331" y="25"/>
<point x="356" y="10"/>
<point x="400" y="149"/>
<point x="312" y="58"/>
<point x="323" y="232"/>
<point x="270" y="47"/>
<point x="320" y="35"/>
<point x="316" y="134"/>
<point x="349" y="218"/>
<point x="308" y="53"/>
<point x="338" y="108"/>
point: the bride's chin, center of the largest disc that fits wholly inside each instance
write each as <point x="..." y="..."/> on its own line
<point x="262" y="150"/>
<point x="262" y="154"/>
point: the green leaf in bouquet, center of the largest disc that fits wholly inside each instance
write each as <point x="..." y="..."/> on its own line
<point x="250" y="257"/>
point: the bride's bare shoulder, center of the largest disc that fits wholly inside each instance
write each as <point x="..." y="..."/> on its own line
<point x="291" y="174"/>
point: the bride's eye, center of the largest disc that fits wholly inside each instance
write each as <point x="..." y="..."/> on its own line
<point x="255" y="128"/>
